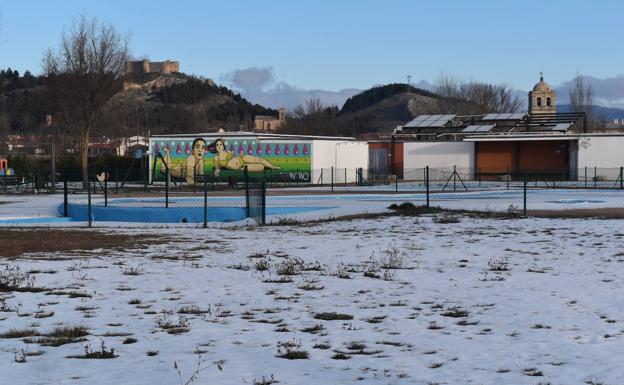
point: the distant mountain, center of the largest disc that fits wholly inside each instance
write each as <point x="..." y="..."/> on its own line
<point x="605" y="114"/>
<point x="608" y="92"/>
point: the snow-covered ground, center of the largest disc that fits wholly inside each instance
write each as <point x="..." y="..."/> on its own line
<point x="481" y="301"/>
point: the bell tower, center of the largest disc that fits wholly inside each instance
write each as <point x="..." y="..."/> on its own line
<point x="542" y="100"/>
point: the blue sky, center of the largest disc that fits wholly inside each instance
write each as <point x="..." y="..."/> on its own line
<point x="343" y="44"/>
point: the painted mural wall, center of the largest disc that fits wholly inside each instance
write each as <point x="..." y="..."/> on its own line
<point x="223" y="157"/>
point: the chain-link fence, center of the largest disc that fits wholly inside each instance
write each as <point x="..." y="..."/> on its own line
<point x="124" y="195"/>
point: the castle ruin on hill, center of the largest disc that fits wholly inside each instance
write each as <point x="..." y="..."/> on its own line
<point x="142" y="67"/>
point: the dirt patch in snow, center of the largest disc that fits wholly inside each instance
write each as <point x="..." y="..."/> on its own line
<point x="17" y="242"/>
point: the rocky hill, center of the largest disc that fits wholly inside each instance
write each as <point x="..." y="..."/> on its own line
<point x="177" y="103"/>
<point x="383" y="108"/>
<point x="155" y="103"/>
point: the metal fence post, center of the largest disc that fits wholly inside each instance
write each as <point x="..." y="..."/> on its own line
<point x="205" y="202"/>
<point x="247" y="191"/>
<point x="332" y="178"/>
<point x="167" y="189"/>
<point x="4" y="176"/>
<point x="144" y="173"/>
<point x="345" y="176"/>
<point x="595" y="177"/>
<point x="454" y="178"/>
<point x="621" y="177"/>
<point x="427" y="183"/>
<point x="116" y="177"/>
<point x="508" y="177"/>
<point x="297" y="177"/>
<point x="396" y="183"/>
<point x="263" y="203"/>
<point x="321" y="176"/>
<point x="524" y="206"/>
<point x="88" y="201"/>
<point x="585" y="176"/>
<point x="53" y="166"/>
<point x="65" y="207"/>
<point x="105" y="189"/>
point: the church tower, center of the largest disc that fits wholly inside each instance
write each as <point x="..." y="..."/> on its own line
<point x="542" y="100"/>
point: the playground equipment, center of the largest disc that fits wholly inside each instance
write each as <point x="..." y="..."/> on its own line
<point x="5" y="170"/>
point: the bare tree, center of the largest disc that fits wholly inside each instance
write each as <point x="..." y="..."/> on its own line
<point x="448" y="86"/>
<point x="485" y="97"/>
<point x="84" y="74"/>
<point x="314" y="106"/>
<point x="582" y="99"/>
<point x="299" y="111"/>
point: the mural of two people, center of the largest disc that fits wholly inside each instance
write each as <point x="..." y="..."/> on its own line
<point x="223" y="159"/>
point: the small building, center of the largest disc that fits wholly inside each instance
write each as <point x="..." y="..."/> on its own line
<point x="129" y="146"/>
<point x="270" y="123"/>
<point x="288" y="158"/>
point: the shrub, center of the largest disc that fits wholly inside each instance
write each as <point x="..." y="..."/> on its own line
<point x="291" y="266"/>
<point x="393" y="258"/>
<point x="455" y="312"/>
<point x="333" y="316"/>
<point x="13" y="279"/>
<point x="446" y="217"/>
<point x="138" y="270"/>
<point x="262" y="265"/>
<point x="19" y="333"/>
<point x="291" y="350"/>
<point x="103" y="353"/>
<point x="501" y="264"/>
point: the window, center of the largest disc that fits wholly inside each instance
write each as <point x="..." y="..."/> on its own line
<point x="548" y="102"/>
<point x="539" y="102"/>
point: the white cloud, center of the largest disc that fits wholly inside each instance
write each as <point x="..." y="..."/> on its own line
<point x="259" y="85"/>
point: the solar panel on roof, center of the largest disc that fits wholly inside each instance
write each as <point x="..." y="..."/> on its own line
<point x="505" y="116"/>
<point x="561" y="127"/>
<point x="485" y="128"/>
<point x="430" y="121"/>
<point x="479" y="128"/>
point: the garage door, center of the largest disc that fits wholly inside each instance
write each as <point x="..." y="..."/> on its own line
<point x="543" y="157"/>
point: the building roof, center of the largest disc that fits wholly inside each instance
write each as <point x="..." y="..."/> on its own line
<point x="542" y="86"/>
<point x="461" y="126"/>
<point x="265" y="117"/>
<point x="260" y="135"/>
<point x="538" y="136"/>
